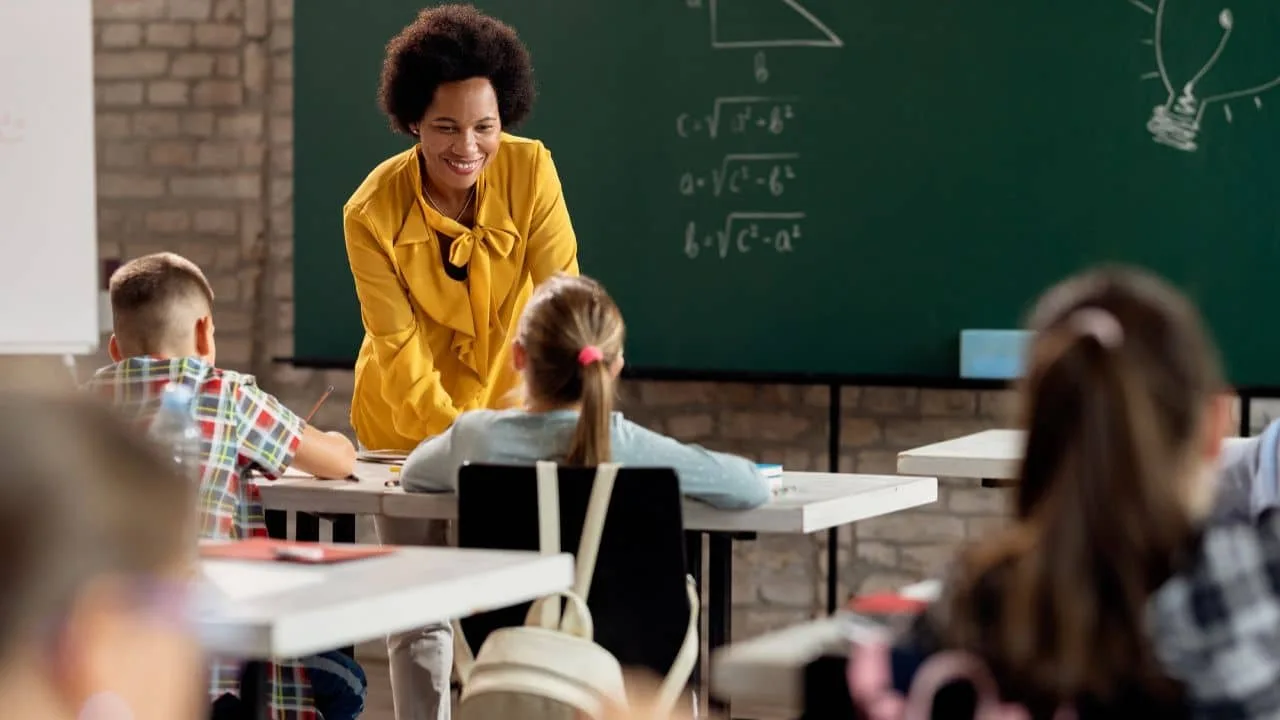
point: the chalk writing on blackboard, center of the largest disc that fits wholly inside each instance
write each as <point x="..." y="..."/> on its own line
<point x="745" y="232"/>
<point x="743" y="172"/>
<point x="13" y="128"/>
<point x="739" y="114"/>
<point x="1179" y="121"/>
<point x="819" y="34"/>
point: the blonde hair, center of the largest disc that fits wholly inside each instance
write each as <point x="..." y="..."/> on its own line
<point x="82" y="495"/>
<point x="565" y="316"/>
<point x="154" y="299"/>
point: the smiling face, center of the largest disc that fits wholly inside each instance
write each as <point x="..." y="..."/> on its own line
<point x="460" y="133"/>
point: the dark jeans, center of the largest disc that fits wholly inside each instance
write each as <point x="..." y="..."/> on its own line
<point x="338" y="683"/>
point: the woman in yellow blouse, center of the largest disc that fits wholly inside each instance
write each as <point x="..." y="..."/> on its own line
<point x="446" y="241"/>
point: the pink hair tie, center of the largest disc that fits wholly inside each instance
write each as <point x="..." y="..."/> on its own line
<point x="589" y="354"/>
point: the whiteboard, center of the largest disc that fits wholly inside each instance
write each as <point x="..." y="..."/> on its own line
<point x="48" y="223"/>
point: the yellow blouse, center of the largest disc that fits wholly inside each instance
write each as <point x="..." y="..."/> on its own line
<point x="434" y="346"/>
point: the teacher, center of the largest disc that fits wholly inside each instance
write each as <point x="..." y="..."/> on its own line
<point x="447" y="239"/>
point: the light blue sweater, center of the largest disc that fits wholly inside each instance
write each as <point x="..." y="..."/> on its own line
<point x="519" y="437"/>
<point x="1250" y="484"/>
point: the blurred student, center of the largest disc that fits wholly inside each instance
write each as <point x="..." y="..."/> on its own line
<point x="96" y="553"/>
<point x="1111" y="595"/>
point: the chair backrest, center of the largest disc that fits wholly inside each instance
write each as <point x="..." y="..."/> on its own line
<point x="638" y="598"/>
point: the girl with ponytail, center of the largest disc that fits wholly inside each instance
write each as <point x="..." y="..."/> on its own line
<point x="569" y="351"/>
<point x="1111" y="594"/>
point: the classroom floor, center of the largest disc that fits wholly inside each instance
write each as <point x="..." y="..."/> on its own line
<point x="378" y="704"/>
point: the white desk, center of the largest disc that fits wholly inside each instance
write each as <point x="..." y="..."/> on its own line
<point x="278" y="610"/>
<point x="992" y="455"/>
<point x="765" y="673"/>
<point x="819" y="501"/>
<point x="988" y="455"/>
<point x="816" y="501"/>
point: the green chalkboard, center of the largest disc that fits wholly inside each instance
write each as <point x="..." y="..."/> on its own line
<point x="838" y="188"/>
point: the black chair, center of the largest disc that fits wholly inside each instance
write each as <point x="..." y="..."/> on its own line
<point x="639" y="598"/>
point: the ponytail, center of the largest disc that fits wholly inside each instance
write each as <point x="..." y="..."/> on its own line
<point x="591" y="443"/>
<point x="1056" y="602"/>
<point x="572" y="335"/>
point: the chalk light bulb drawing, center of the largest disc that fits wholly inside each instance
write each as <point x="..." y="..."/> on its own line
<point x="1177" y="122"/>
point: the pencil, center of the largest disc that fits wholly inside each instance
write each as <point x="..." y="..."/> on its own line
<point x="319" y="402"/>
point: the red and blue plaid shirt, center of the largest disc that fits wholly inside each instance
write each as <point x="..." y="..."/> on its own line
<point x="243" y="429"/>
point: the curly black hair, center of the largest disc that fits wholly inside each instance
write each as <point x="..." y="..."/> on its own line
<point x="446" y="44"/>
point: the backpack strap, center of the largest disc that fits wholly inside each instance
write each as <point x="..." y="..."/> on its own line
<point x="543" y="613"/>
<point x="589" y="544"/>
<point x="548" y="530"/>
<point x="593" y="527"/>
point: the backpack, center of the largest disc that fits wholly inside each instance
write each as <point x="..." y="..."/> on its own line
<point x="550" y="668"/>
<point x="871" y="686"/>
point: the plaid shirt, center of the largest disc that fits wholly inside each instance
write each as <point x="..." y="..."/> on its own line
<point x="1216" y="626"/>
<point x="243" y="428"/>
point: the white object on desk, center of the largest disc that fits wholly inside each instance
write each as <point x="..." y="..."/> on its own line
<point x="48" y="200"/>
<point x="319" y="608"/>
<point x="988" y="455"/>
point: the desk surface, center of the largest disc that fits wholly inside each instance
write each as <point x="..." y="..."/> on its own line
<point x="766" y="672"/>
<point x="264" y="610"/>
<point x="814" y="501"/>
<point x="988" y="455"/>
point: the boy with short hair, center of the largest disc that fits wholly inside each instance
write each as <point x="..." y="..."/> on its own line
<point x="162" y="308"/>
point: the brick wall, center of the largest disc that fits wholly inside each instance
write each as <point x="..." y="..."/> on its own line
<point x="195" y="152"/>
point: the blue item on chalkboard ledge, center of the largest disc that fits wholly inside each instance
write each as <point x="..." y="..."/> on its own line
<point x="993" y="354"/>
<point x="769" y="470"/>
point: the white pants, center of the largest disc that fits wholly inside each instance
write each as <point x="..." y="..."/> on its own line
<point x="421" y="660"/>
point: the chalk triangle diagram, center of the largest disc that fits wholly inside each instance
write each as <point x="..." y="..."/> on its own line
<point x="767" y="24"/>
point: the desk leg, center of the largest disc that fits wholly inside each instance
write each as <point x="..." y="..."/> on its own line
<point x="833" y="568"/>
<point x="719" y="601"/>
<point x="255" y="691"/>
<point x="693" y="562"/>
<point x="1246" y="410"/>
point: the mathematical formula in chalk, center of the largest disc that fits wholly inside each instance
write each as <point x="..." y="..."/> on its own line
<point x="744" y="233"/>
<point x="739" y="115"/>
<point x="741" y="173"/>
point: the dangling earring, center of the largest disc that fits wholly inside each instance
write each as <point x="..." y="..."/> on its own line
<point x="105" y="705"/>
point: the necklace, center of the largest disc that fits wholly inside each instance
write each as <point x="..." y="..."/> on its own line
<point x="465" y="204"/>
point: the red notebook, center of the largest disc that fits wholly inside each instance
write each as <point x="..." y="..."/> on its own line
<point x="886" y="603"/>
<point x="269" y="550"/>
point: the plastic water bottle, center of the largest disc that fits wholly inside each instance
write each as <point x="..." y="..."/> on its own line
<point x="176" y="429"/>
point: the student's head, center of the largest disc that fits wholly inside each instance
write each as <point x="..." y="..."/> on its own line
<point x="1123" y="399"/>
<point x="96" y="547"/>
<point x="569" y="349"/>
<point x="1124" y="420"/>
<point x="161" y="305"/>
